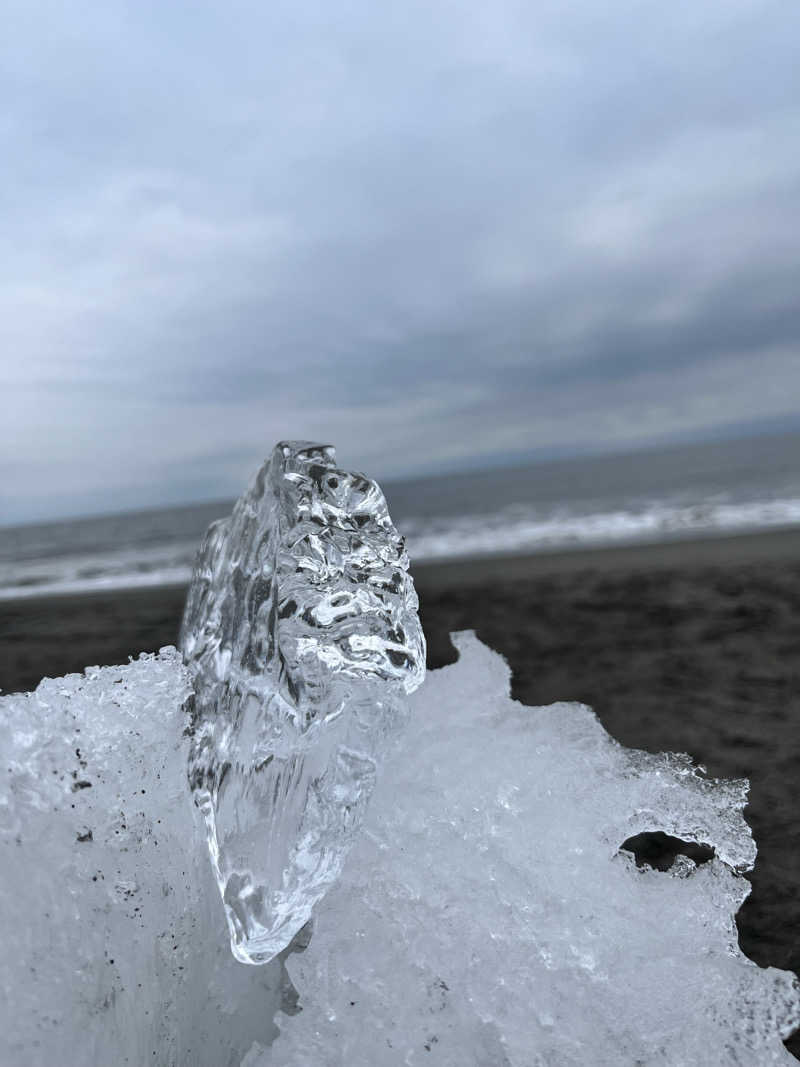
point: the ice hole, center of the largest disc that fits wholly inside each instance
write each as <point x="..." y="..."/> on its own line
<point x="658" y="850"/>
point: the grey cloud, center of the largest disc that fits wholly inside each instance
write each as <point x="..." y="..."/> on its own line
<point x="424" y="232"/>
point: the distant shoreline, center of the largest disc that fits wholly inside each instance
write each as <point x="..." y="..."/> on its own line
<point x="677" y="551"/>
<point x="754" y="546"/>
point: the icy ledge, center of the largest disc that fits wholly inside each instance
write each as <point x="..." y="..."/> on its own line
<point x="488" y="916"/>
<point x="485" y="916"/>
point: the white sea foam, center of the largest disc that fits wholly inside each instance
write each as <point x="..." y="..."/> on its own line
<point x="513" y="529"/>
<point x="519" y="529"/>
<point x="129" y="568"/>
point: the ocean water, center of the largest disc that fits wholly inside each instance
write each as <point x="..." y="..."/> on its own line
<point x="689" y="491"/>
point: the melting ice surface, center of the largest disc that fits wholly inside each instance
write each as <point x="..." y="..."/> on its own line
<point x="485" y="915"/>
<point x="302" y="639"/>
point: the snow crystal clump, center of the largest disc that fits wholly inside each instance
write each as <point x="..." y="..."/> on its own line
<point x="488" y="914"/>
<point x="114" y="943"/>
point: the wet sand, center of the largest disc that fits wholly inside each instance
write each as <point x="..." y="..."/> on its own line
<point x="688" y="646"/>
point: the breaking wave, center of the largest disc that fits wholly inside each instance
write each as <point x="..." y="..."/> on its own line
<point x="509" y="530"/>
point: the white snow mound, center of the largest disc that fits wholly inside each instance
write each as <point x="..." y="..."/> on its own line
<point x="115" y="949"/>
<point x="487" y="915"/>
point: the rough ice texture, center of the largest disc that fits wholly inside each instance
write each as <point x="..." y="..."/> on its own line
<point x="114" y="945"/>
<point x="302" y="639"/>
<point x="488" y="915"/>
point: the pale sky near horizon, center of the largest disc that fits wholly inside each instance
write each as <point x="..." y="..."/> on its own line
<point x="435" y="234"/>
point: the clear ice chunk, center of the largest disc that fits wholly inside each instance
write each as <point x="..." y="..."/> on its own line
<point x="302" y="640"/>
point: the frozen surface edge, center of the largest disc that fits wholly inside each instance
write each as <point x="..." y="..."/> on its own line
<point x="454" y="938"/>
<point x="115" y="947"/>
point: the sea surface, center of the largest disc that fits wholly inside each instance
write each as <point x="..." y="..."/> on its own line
<point x="687" y="491"/>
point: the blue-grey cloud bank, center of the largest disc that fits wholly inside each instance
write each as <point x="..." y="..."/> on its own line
<point x="437" y="234"/>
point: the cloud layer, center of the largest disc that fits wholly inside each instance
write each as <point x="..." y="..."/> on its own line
<point x="433" y="233"/>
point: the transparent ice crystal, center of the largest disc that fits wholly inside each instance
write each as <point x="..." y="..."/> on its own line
<point x="302" y="639"/>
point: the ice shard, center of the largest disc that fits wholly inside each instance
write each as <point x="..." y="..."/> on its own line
<point x="302" y="640"/>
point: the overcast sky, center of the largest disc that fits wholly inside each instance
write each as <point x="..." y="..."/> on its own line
<point x="436" y="234"/>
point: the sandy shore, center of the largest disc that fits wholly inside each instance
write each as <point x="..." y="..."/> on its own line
<point x="688" y="646"/>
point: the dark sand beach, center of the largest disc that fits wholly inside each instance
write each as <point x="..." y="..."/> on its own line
<point x="688" y="646"/>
